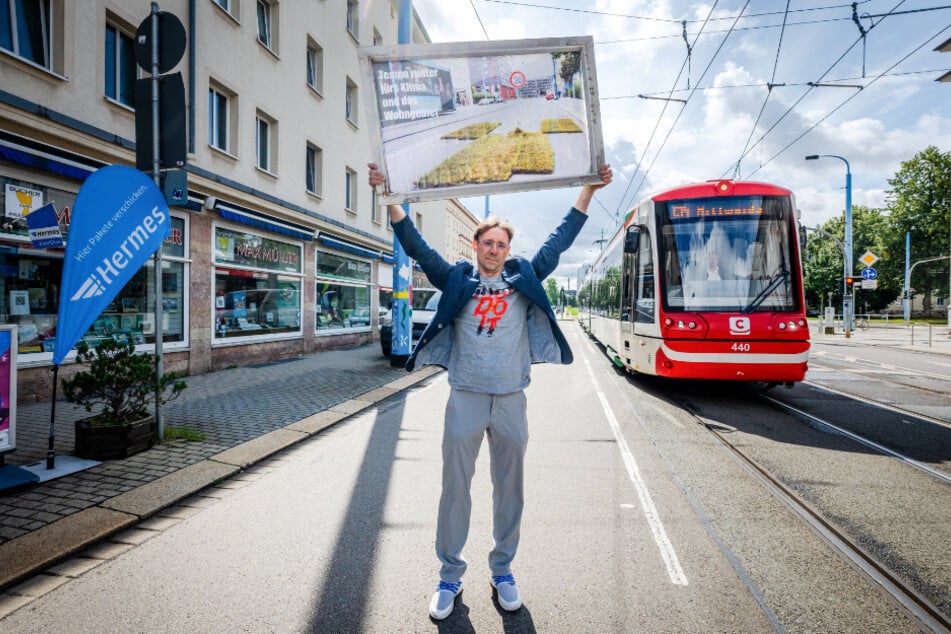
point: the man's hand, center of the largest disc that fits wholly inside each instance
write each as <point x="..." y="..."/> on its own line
<point x="375" y="179"/>
<point x="587" y="192"/>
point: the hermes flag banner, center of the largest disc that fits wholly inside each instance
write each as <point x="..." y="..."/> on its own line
<point x="120" y="218"/>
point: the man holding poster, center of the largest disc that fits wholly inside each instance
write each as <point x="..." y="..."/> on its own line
<point x="492" y="322"/>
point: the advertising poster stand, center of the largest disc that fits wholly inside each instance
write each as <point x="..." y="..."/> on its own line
<point x="10" y="475"/>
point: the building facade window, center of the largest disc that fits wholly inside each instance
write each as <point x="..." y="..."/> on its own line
<point x="315" y="66"/>
<point x="353" y="14"/>
<point x="314" y="165"/>
<point x="257" y="287"/>
<point x="350" y="184"/>
<point x="342" y="299"/>
<point x="351" y="101"/>
<point x="25" y="29"/>
<point x="264" y="23"/>
<point x="377" y="38"/>
<point x="219" y="105"/>
<point x="224" y="4"/>
<point x="265" y="142"/>
<point x="120" y="66"/>
<point x="374" y="207"/>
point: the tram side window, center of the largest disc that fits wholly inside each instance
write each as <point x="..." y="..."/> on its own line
<point x="645" y="280"/>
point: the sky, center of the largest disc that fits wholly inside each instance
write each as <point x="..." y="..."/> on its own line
<point x="737" y="49"/>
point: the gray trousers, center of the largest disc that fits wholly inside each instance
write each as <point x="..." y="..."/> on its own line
<point x="469" y="417"/>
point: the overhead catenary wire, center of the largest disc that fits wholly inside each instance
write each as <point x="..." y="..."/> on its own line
<point x="850" y="98"/>
<point x="692" y="92"/>
<point x="769" y="91"/>
<point x="812" y="86"/>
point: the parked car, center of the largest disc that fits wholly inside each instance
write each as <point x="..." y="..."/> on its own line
<point x="428" y="299"/>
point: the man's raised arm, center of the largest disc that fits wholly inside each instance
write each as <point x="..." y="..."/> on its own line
<point x="376" y="178"/>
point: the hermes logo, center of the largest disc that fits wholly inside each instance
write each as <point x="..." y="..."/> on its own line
<point x="739" y="325"/>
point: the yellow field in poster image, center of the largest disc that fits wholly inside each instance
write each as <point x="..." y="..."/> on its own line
<point x="494" y="158"/>
<point x="474" y="131"/>
<point x="559" y="125"/>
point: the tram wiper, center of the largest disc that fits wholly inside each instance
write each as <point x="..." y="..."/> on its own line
<point x="774" y="283"/>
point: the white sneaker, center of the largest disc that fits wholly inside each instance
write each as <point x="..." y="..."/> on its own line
<point x="444" y="600"/>
<point x="507" y="592"/>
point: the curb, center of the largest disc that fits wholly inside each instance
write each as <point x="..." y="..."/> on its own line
<point x="31" y="553"/>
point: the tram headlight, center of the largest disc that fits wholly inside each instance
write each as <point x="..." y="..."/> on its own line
<point x="692" y="325"/>
<point x="782" y="325"/>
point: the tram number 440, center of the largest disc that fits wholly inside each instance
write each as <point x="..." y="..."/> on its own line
<point x="741" y="347"/>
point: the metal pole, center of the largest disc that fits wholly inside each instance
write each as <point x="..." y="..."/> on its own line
<point x="157" y="258"/>
<point x="907" y="300"/>
<point x="402" y="323"/>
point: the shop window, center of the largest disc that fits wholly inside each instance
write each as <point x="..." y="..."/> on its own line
<point x="257" y="286"/>
<point x="29" y="298"/>
<point x="120" y="66"/>
<point x="342" y="300"/>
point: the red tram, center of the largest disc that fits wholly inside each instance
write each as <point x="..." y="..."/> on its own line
<point x="703" y="282"/>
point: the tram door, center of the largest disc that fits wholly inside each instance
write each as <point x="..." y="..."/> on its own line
<point x="639" y="287"/>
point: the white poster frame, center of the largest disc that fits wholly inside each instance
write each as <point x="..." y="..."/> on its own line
<point x="513" y="97"/>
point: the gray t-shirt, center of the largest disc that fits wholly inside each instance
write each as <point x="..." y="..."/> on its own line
<point x="490" y="351"/>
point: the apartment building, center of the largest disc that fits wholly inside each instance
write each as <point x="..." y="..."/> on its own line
<point x="279" y="247"/>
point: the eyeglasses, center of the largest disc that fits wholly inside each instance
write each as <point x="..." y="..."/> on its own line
<point x="489" y="244"/>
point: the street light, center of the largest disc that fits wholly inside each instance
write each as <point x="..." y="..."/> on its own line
<point x="846" y="300"/>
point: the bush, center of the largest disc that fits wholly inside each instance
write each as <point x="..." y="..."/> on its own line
<point x="120" y="382"/>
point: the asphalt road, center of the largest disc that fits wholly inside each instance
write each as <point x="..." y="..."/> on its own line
<point x="636" y="521"/>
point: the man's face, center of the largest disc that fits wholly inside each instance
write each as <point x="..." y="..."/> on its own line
<point x="492" y="248"/>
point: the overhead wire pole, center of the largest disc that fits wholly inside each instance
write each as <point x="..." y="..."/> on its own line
<point x="402" y="341"/>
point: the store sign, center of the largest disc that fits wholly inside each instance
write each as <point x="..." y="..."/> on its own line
<point x="44" y="228"/>
<point x="21" y="200"/>
<point x="338" y="266"/>
<point x="120" y="219"/>
<point x="250" y="250"/>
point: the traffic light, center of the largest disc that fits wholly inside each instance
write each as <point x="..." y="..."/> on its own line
<point x="849" y="283"/>
<point x="911" y="293"/>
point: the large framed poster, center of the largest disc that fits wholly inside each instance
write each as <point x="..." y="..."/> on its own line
<point x="475" y="118"/>
<point x="8" y="388"/>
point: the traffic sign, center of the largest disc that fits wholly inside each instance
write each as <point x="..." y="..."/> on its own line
<point x="869" y="284"/>
<point x="868" y="258"/>
<point x="517" y="79"/>
<point x="869" y="274"/>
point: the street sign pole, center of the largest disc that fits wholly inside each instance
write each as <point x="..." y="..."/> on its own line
<point x="157" y="177"/>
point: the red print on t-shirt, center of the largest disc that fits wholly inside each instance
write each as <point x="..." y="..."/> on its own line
<point x="490" y="309"/>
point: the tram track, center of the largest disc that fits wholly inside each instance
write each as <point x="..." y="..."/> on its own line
<point x="923" y="612"/>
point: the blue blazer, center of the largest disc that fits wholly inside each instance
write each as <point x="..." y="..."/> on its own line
<point x="458" y="282"/>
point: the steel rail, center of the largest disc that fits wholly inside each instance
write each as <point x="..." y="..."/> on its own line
<point x="925" y="614"/>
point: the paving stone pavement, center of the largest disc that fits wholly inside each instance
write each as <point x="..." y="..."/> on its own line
<point x="229" y="407"/>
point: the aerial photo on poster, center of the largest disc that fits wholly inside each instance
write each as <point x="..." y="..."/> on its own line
<point x="477" y="118"/>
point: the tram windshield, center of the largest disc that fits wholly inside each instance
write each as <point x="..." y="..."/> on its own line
<point x="727" y="254"/>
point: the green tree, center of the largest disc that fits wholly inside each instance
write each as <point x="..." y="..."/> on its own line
<point x="919" y="203"/>
<point x="824" y="267"/>
<point x="551" y="289"/>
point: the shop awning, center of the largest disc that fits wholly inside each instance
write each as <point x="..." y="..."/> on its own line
<point x="260" y="221"/>
<point x="349" y="247"/>
<point x="43" y="160"/>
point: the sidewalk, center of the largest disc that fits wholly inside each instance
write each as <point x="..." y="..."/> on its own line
<point x="246" y="414"/>
<point x="919" y="337"/>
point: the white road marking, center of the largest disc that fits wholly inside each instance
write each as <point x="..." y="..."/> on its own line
<point x="667" y="553"/>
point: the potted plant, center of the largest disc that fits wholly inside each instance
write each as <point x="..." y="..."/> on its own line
<point x="121" y="385"/>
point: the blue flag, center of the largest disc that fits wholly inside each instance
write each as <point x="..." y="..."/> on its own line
<point x="44" y="228"/>
<point x="120" y="218"/>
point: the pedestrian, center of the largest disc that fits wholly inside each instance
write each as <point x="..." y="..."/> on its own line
<point x="492" y="322"/>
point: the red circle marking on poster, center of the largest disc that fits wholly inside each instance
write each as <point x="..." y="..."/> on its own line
<point x="517" y="78"/>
